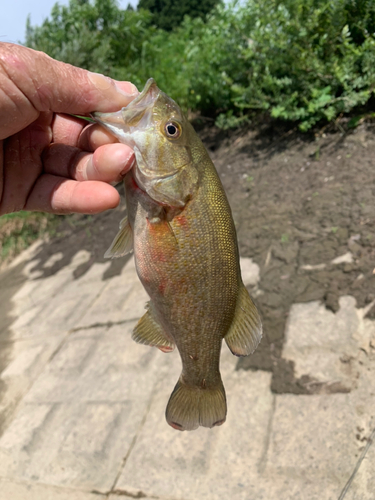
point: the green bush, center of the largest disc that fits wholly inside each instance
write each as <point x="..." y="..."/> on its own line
<point x="98" y="35"/>
<point x="299" y="60"/>
<point x="295" y="59"/>
<point x="168" y="14"/>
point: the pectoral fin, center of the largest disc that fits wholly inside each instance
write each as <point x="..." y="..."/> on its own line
<point x="245" y="332"/>
<point x="149" y="332"/>
<point x="123" y="242"/>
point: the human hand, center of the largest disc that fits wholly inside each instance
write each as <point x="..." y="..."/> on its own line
<point x="50" y="161"/>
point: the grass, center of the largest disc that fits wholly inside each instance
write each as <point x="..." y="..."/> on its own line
<point x="18" y="230"/>
<point x="284" y="238"/>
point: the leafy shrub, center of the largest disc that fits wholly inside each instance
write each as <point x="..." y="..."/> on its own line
<point x="298" y="60"/>
<point x="98" y="35"/>
<point x="168" y="14"/>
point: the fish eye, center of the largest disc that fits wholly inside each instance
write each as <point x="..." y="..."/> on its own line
<point x="172" y="129"/>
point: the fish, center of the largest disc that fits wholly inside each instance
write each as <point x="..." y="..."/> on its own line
<point x="180" y="226"/>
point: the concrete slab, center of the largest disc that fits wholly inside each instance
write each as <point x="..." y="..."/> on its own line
<point x="191" y="465"/>
<point x="313" y="438"/>
<point x="92" y="403"/>
<point x="122" y="298"/>
<point x="55" y="304"/>
<point x="20" y="490"/>
<point x="363" y="484"/>
<point x="24" y="363"/>
<point x="250" y="271"/>
<point x="79" y="419"/>
<point x="108" y="366"/>
<point x="26" y="256"/>
<point x="322" y="344"/>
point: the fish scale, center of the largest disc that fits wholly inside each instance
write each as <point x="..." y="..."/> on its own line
<point x="181" y="229"/>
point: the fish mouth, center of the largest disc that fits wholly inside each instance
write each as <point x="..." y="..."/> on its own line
<point x="136" y="114"/>
<point x="147" y="176"/>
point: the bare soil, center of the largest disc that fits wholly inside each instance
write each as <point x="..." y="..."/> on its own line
<point x="298" y="203"/>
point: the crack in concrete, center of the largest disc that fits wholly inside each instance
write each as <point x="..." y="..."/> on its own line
<point x="107" y="324"/>
<point x="359" y="462"/>
<point x="263" y="458"/>
<point x="120" y="492"/>
<point x="128" y="494"/>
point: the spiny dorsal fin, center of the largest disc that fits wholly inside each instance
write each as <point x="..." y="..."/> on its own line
<point x="148" y="331"/>
<point x="123" y="242"/>
<point x="245" y="332"/>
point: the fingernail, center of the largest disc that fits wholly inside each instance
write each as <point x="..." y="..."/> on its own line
<point x="128" y="167"/>
<point x="133" y="89"/>
<point x="100" y="81"/>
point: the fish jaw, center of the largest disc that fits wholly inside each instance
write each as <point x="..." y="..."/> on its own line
<point x="125" y="123"/>
<point x="114" y="123"/>
<point x="132" y="136"/>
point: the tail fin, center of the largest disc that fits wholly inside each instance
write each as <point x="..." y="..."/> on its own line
<point x="191" y="406"/>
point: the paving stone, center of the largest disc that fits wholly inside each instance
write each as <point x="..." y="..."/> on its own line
<point x="107" y="366"/>
<point x="313" y="438"/>
<point x="17" y="490"/>
<point x="79" y="419"/>
<point x="363" y="485"/>
<point x="362" y="399"/>
<point x="25" y="361"/>
<point x="191" y="465"/>
<point x="25" y="298"/>
<point x="123" y="298"/>
<point x="249" y="271"/>
<point x="59" y="304"/>
<point x="27" y="255"/>
<point x="33" y="299"/>
<point x="76" y="445"/>
<point x="321" y="344"/>
<point x="102" y="398"/>
<point x="53" y="260"/>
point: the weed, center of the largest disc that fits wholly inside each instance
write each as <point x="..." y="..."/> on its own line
<point x="284" y="238"/>
<point x="18" y="230"/>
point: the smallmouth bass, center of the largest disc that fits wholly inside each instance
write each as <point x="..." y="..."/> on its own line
<point x="180" y="226"/>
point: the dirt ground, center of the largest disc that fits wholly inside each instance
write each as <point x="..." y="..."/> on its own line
<point x="298" y="202"/>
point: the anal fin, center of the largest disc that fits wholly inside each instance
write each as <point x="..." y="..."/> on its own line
<point x="245" y="332"/>
<point x="123" y="242"/>
<point x="148" y="332"/>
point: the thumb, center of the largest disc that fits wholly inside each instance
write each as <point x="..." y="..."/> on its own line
<point x="34" y="82"/>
